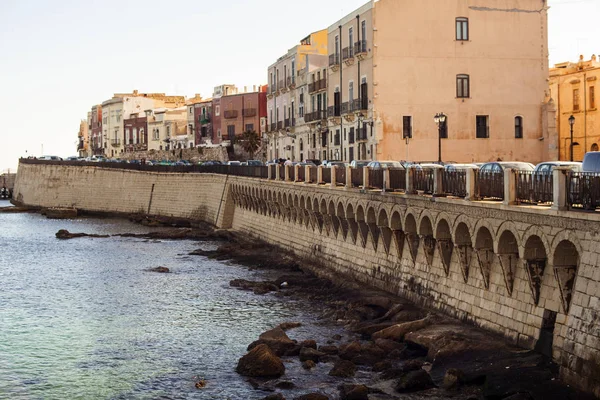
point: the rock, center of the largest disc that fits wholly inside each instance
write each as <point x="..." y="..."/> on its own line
<point x="350" y="350"/>
<point x="308" y="364"/>
<point x="382" y="366"/>
<point x="337" y="337"/>
<point x="312" y="396"/>
<point x="331" y="350"/>
<point x="261" y="362"/>
<point x="309" y="343"/>
<point x="407" y="316"/>
<point x="393" y="373"/>
<point x="277" y="396"/>
<point x="160" y="270"/>
<point x="201" y="384"/>
<point x="370" y="329"/>
<point x="277" y="340"/>
<point x="285" y="385"/>
<point x="343" y="369"/>
<point x="286" y="326"/>
<point x="65" y="234"/>
<point x="414" y="381"/>
<point x="61" y="213"/>
<point x="293" y="352"/>
<point x="354" y="392"/>
<point x="384" y="302"/>
<point x="519" y="396"/>
<point x="453" y="378"/>
<point x="256" y="287"/>
<point x="308" y="353"/>
<point x="389" y="345"/>
<point x="397" y="332"/>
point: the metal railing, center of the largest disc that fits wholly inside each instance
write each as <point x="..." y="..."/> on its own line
<point x="301" y="174"/>
<point x="489" y="185"/>
<point x="397" y="179"/>
<point x="347" y="52"/>
<point x="334" y="59"/>
<point x="356" y="177"/>
<point x="326" y="175"/>
<point x="313" y="174"/>
<point x="230" y="114"/>
<point x="583" y="190"/>
<point x="340" y="176"/>
<point x="282" y="172"/>
<point x="376" y="178"/>
<point x="292" y="173"/>
<point x="423" y="180"/>
<point x="534" y="187"/>
<point x="249" y="112"/>
<point x="455" y="183"/>
<point x="360" y="46"/>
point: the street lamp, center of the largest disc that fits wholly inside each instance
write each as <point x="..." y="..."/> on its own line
<point x="440" y="120"/>
<point x="571" y="122"/>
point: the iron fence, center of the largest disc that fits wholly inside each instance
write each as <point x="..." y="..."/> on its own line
<point x="423" y="180"/>
<point x="356" y="176"/>
<point x="292" y="173"/>
<point x="455" y="183"/>
<point x="282" y="172"/>
<point x="326" y="175"/>
<point x="533" y="187"/>
<point x="397" y="179"/>
<point x="301" y="174"/>
<point x="376" y="178"/>
<point x="583" y="189"/>
<point x="340" y="176"/>
<point x="489" y="185"/>
<point x="313" y="174"/>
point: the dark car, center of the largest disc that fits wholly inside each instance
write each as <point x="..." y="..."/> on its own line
<point x="591" y="162"/>
<point x="499" y="166"/>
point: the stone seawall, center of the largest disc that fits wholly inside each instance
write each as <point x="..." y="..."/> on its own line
<point x="529" y="274"/>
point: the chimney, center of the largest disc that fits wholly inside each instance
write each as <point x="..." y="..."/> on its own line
<point x="245" y="89"/>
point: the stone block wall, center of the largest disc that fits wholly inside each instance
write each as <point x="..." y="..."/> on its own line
<point x="197" y="154"/>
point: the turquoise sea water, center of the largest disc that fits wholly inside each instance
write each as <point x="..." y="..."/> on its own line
<point x="83" y="319"/>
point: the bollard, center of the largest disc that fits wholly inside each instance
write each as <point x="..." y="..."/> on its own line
<point x="296" y="169"/>
<point x="470" y="185"/>
<point x="438" y="189"/>
<point x="386" y="180"/>
<point x="366" y="177"/>
<point x="333" y="169"/>
<point x="319" y="174"/>
<point x="287" y="172"/>
<point x="277" y="174"/>
<point x="307" y="173"/>
<point x="559" y="188"/>
<point x="410" y="181"/>
<point x="348" y="177"/>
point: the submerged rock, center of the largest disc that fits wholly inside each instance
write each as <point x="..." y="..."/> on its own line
<point x="261" y="362"/>
<point x="160" y="270"/>
<point x="354" y="392"/>
<point x="343" y="369"/>
<point x="65" y="234"/>
<point x="60" y="213"/>
<point x="312" y="396"/>
<point x="414" y="381"/>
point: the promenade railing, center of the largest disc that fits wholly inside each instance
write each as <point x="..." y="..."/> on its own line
<point x="533" y="187"/>
<point x="489" y="185"/>
<point x="357" y="177"/>
<point x="454" y="183"/>
<point x="376" y="178"/>
<point x="398" y="179"/>
<point x="326" y="175"/>
<point x="423" y="180"/>
<point x="301" y="174"/>
<point x="583" y="190"/>
<point x="340" y="176"/>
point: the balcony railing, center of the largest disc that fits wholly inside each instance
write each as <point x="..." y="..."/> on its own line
<point x="230" y="114"/>
<point x="249" y="112"/>
<point x="279" y="124"/>
<point x="534" y="187"/>
<point x="360" y="47"/>
<point x="115" y="142"/>
<point x="290" y="81"/>
<point x="280" y="85"/>
<point x="334" y="59"/>
<point x="315" y="86"/>
<point x="346" y="107"/>
<point x="347" y="52"/>
<point x="360" y="104"/>
<point x="334" y="111"/>
<point x="286" y="123"/>
<point x="273" y="127"/>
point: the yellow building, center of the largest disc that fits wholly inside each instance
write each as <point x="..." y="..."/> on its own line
<point x="573" y="89"/>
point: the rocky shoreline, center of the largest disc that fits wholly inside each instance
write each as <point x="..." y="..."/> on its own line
<point x="392" y="350"/>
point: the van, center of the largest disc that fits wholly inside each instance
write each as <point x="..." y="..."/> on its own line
<point x="591" y="162"/>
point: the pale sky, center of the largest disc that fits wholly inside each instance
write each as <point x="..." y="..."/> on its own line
<point x="60" y="57"/>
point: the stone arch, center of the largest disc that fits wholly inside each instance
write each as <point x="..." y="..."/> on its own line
<point x="506" y="226"/>
<point x="309" y="212"/>
<point x="383" y="223"/>
<point x="327" y="221"/>
<point x="317" y="216"/>
<point x="372" y="225"/>
<point x="443" y="238"/>
<point x="508" y="255"/>
<point x="565" y="264"/>
<point x="426" y="234"/>
<point x="340" y="215"/>
<point x="412" y="237"/>
<point x="535" y="259"/>
<point x="464" y="245"/>
<point x="335" y="221"/>
<point x="484" y="249"/>
<point x="363" y="228"/>
<point x="352" y="224"/>
<point x="397" y="232"/>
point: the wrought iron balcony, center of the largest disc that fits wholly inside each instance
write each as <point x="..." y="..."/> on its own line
<point x="280" y="86"/>
<point x="280" y="125"/>
<point x="273" y="127"/>
<point x="346" y="107"/>
<point x="115" y="142"/>
<point x="249" y="112"/>
<point x="334" y="111"/>
<point x="360" y="47"/>
<point x="334" y="59"/>
<point x="286" y="123"/>
<point x="230" y="114"/>
<point x="315" y="86"/>
<point x="347" y="52"/>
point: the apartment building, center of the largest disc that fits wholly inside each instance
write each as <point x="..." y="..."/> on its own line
<point x="395" y="65"/>
<point x="573" y="89"/>
<point x="241" y="112"/>
<point x="167" y="127"/>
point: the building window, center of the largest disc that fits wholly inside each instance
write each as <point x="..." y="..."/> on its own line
<point x="217" y="110"/>
<point x="462" y="28"/>
<point x="337" y="46"/>
<point x="463" y="89"/>
<point x="518" y="127"/>
<point x="592" y="97"/>
<point x="249" y="127"/>
<point x="482" y="126"/>
<point x="575" y="99"/>
<point x="230" y="131"/>
<point x="407" y="127"/>
<point x="350" y="91"/>
<point x="363" y="28"/>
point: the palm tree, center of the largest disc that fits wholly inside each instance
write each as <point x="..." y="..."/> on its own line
<point x="250" y="142"/>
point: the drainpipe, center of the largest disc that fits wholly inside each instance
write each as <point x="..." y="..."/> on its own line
<point x="358" y="82"/>
<point x="585" y="113"/>
<point x="341" y="97"/>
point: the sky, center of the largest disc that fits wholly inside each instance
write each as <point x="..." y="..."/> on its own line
<point x="60" y="57"/>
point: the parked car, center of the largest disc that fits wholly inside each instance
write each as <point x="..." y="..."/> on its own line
<point x="499" y="166"/>
<point x="385" y="164"/>
<point x="338" y="164"/>
<point x="546" y="167"/>
<point x="235" y="163"/>
<point x="428" y="166"/>
<point x="212" y="162"/>
<point x="255" y="163"/>
<point x="50" y="158"/>
<point x="460" y="167"/>
<point x="313" y="161"/>
<point x="359" y="163"/>
<point x="73" y="158"/>
<point x="591" y="162"/>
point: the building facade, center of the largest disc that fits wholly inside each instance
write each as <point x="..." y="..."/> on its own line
<point x="83" y="144"/>
<point x="573" y="90"/>
<point x="202" y="115"/>
<point x="135" y="137"/>
<point x="394" y="65"/>
<point x="98" y="142"/>
<point x="294" y="80"/>
<point x="243" y="112"/>
<point x="167" y="128"/>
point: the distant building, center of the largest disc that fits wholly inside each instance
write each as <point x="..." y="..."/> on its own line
<point x="242" y="112"/>
<point x="167" y="128"/>
<point x="83" y="144"/>
<point x="573" y="89"/>
<point x="97" y="140"/>
<point x="135" y="137"/>
<point x="202" y="114"/>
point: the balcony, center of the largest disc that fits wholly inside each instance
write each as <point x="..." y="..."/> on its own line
<point x="360" y="104"/>
<point x="361" y="134"/>
<point x="230" y="114"/>
<point x="280" y="125"/>
<point x="320" y="115"/>
<point x="360" y="49"/>
<point x="273" y="127"/>
<point x="290" y="82"/>
<point x="204" y="119"/>
<point x="334" y="111"/>
<point x="334" y="62"/>
<point x="249" y="112"/>
<point x="286" y="123"/>
<point x="348" y="55"/>
<point x="346" y="107"/>
<point x="280" y="85"/>
<point x="315" y="86"/>
<point x="115" y="142"/>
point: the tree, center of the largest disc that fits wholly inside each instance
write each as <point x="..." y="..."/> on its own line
<point x="250" y="141"/>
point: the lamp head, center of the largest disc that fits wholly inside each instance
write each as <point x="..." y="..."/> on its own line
<point x="571" y="120"/>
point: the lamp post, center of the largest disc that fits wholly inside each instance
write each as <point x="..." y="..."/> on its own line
<point x="571" y="122"/>
<point x="440" y="120"/>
